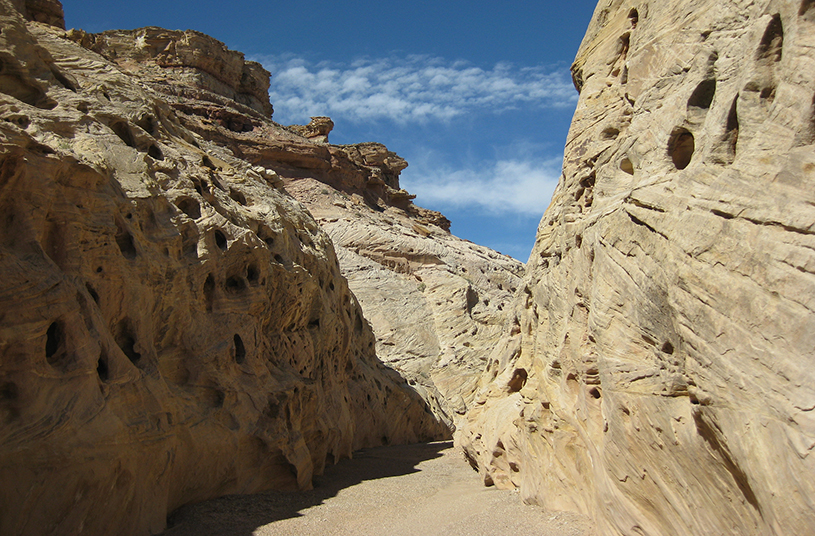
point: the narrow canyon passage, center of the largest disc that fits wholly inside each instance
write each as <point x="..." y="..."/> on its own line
<point x="423" y="489"/>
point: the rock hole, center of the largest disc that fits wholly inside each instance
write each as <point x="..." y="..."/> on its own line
<point x="62" y="79"/>
<point x="216" y="182"/>
<point x="252" y="273"/>
<point x="721" y="214"/>
<point x="624" y="45"/>
<point x="731" y="132"/>
<point x="235" y="284"/>
<point x="121" y="129"/>
<point x="15" y="84"/>
<point x="154" y="152"/>
<point x="610" y="133"/>
<point x="594" y="392"/>
<point x="518" y="380"/>
<point x="206" y="162"/>
<point x="331" y="285"/>
<point x="148" y="124"/>
<point x="634" y="17"/>
<point x="237" y="196"/>
<point x="92" y="292"/>
<point x="702" y="96"/>
<point x="767" y="95"/>
<point x="125" y="241"/>
<point x="315" y="323"/>
<point x="807" y="10"/>
<point x="772" y="42"/>
<point x="668" y="348"/>
<point x="189" y="206"/>
<point x="240" y="349"/>
<point x="21" y="121"/>
<point x="578" y="240"/>
<point x="197" y="185"/>
<point x="627" y="166"/>
<point x="588" y="181"/>
<point x="472" y="299"/>
<point x="102" y="369"/>
<point x="220" y="239"/>
<point x="680" y="147"/>
<point x="53" y="343"/>
<point x="127" y="342"/>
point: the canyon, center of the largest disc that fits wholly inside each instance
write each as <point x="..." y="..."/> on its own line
<point x="200" y="302"/>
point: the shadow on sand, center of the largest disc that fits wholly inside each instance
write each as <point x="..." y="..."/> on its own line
<point x="240" y="515"/>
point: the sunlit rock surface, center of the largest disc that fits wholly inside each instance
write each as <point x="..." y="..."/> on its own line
<point x="661" y="373"/>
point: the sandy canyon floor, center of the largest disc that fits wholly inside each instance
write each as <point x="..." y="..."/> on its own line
<point x="425" y="489"/>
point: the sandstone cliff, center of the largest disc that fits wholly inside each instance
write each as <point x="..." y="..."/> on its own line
<point x="174" y="324"/>
<point x="435" y="302"/>
<point x="662" y="377"/>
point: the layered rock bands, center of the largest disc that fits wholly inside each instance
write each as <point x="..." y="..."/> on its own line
<point x="662" y="375"/>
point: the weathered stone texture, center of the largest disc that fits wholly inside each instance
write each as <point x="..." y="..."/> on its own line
<point x="173" y="325"/>
<point x="662" y="376"/>
<point x="435" y="302"/>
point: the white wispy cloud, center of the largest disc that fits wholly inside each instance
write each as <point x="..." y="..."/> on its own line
<point x="408" y="89"/>
<point x="520" y="186"/>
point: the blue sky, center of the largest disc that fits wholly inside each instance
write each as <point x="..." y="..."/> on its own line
<point x="476" y="98"/>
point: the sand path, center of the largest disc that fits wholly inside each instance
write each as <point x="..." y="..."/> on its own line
<point x="424" y="490"/>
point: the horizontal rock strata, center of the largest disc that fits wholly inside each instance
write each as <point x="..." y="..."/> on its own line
<point x="174" y="326"/>
<point x="662" y="377"/>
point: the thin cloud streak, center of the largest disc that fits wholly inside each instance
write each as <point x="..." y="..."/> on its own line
<point x="515" y="186"/>
<point x="408" y="89"/>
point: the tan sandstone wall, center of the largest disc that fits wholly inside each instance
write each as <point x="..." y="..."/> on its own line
<point x="173" y="325"/>
<point x="662" y="378"/>
<point x="436" y="303"/>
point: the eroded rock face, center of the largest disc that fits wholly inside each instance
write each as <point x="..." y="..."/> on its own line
<point x="174" y="325"/>
<point x="435" y="302"/>
<point x="662" y="380"/>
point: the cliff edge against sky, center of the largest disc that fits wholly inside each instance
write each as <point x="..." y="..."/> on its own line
<point x="661" y="378"/>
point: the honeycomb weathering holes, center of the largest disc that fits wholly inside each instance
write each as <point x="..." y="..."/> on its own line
<point x="518" y="380"/>
<point x="681" y="147"/>
<point x="190" y="207"/>
<point x="53" y="342"/>
<point x="220" y="239"/>
<point x="703" y="95"/>
<point x="772" y="42"/>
